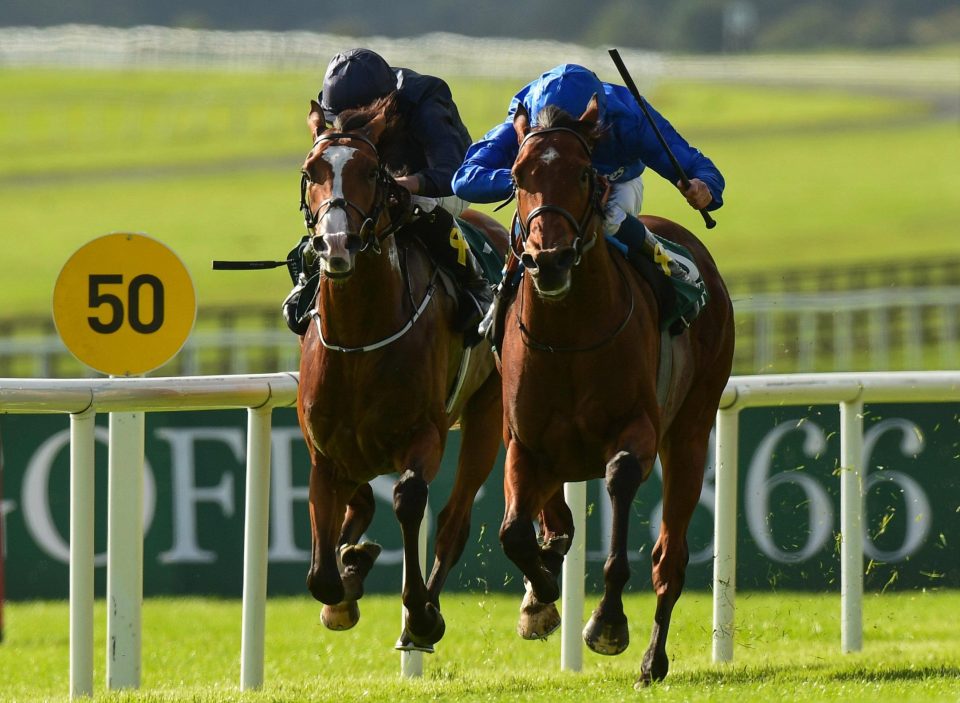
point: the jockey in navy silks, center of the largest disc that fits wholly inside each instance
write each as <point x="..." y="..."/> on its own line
<point x="422" y="156"/>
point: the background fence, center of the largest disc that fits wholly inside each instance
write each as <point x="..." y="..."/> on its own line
<point x="887" y="317"/>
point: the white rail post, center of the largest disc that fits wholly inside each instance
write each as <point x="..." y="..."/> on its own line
<point x="81" y="552"/>
<point x="125" y="550"/>
<point x="851" y="526"/>
<point x="574" y="572"/>
<point x="411" y="663"/>
<point x="725" y="535"/>
<point x="255" y="538"/>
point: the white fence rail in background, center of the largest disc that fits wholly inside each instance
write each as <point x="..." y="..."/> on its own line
<point x="446" y="55"/>
<point x="128" y="398"/>
<point x="873" y="329"/>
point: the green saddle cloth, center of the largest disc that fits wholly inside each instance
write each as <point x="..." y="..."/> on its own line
<point x="490" y="261"/>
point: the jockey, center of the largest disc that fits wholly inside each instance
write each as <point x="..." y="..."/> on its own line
<point x="423" y="156"/>
<point x="628" y="145"/>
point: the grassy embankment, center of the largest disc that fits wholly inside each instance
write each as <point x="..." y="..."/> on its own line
<point x="208" y="163"/>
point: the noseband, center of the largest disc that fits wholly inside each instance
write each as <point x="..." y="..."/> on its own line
<point x="594" y="206"/>
<point x="384" y="183"/>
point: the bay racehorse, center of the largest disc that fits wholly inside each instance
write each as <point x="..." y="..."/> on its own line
<point x="383" y="377"/>
<point x="580" y="359"/>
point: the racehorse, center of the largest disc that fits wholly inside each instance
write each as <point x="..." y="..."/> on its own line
<point x="579" y="361"/>
<point x="383" y="377"/>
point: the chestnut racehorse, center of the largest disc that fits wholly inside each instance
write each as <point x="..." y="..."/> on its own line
<point x="579" y="360"/>
<point x="381" y="379"/>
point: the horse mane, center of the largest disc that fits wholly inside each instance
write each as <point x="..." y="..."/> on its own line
<point x="390" y="143"/>
<point x="553" y="116"/>
<point x="355" y="119"/>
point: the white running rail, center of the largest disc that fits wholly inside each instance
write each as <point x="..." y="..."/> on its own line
<point x="128" y="398"/>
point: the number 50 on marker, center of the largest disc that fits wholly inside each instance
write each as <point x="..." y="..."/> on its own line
<point x="124" y="304"/>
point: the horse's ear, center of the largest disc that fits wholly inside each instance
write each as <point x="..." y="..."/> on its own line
<point x="592" y="114"/>
<point x="315" y="120"/>
<point x="521" y="122"/>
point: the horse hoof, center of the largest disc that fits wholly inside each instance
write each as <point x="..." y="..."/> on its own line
<point x="434" y="630"/>
<point x="405" y="644"/>
<point x="608" y="639"/>
<point x="642" y="682"/>
<point x="341" y="616"/>
<point x="356" y="561"/>
<point x="654" y="666"/>
<point x="537" y="620"/>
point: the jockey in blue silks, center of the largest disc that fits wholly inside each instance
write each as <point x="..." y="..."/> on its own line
<point x="628" y="145"/>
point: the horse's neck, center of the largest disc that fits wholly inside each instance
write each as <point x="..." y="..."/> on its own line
<point x="371" y="303"/>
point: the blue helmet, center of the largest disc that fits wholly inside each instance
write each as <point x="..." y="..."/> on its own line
<point x="567" y="86"/>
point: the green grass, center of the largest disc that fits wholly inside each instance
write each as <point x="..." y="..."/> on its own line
<point x="207" y="162"/>
<point x="787" y="649"/>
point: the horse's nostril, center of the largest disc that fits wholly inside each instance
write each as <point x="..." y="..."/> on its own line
<point x="318" y="243"/>
<point x="528" y="261"/>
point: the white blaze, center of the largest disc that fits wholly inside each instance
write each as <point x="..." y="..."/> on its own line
<point x="337" y="157"/>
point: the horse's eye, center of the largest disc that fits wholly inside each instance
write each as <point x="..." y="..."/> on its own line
<point x="314" y="178"/>
<point x="585" y="176"/>
<point x="372" y="175"/>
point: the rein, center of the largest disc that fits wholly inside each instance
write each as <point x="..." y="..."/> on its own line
<point x="529" y="341"/>
<point x="428" y="294"/>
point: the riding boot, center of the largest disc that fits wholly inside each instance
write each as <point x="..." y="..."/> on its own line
<point x="447" y="247"/>
<point x="296" y="306"/>
<point x="640" y="241"/>
<point x="637" y="238"/>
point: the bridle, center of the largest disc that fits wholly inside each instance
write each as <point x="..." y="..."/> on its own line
<point x="385" y="184"/>
<point x="594" y="206"/>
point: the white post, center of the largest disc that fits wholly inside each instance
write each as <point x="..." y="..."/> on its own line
<point x="574" y="573"/>
<point x="725" y="535"/>
<point x="411" y="663"/>
<point x="851" y="526"/>
<point x="125" y="549"/>
<point x="255" y="537"/>
<point x="81" y="552"/>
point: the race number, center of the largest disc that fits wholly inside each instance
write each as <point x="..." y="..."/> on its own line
<point x="124" y="304"/>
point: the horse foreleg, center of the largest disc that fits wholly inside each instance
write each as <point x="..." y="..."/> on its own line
<point x="539" y="620"/>
<point x="480" y="442"/>
<point x="328" y="500"/>
<point x="606" y="632"/>
<point x="354" y="560"/>
<point x="683" y="463"/>
<point x="423" y="624"/>
<point x="525" y="491"/>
